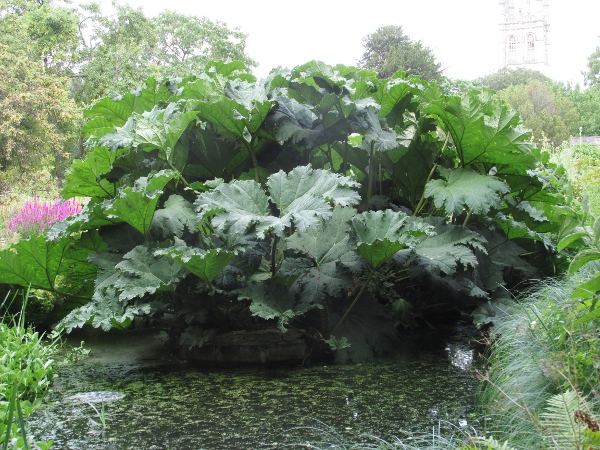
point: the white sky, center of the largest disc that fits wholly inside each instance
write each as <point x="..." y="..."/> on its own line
<point x="463" y="34"/>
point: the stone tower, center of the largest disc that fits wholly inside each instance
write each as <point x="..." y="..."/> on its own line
<point x="524" y="30"/>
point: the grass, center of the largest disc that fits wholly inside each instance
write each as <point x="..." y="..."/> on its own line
<point x="443" y="436"/>
<point x="537" y="357"/>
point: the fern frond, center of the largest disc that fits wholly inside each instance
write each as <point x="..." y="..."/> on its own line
<point x="489" y="443"/>
<point x="558" y="420"/>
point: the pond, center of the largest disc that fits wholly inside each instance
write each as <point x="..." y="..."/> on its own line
<point x="161" y="403"/>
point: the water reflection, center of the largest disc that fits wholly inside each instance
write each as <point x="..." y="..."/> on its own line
<point x="460" y="355"/>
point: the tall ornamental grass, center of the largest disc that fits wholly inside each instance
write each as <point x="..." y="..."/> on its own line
<point x="35" y="216"/>
<point x="542" y="387"/>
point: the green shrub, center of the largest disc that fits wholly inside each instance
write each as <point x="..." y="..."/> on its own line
<point x="582" y="165"/>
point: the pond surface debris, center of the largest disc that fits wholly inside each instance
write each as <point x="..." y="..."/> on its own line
<point x="166" y="404"/>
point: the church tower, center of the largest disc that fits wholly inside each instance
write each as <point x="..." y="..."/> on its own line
<point x="524" y="30"/>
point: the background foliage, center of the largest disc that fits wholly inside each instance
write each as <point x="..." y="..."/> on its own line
<point x="551" y="116"/>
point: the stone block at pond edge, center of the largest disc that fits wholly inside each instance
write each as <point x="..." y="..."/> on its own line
<point x="249" y="347"/>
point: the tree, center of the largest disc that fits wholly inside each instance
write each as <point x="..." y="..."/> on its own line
<point x="592" y="77"/>
<point x="38" y="124"/>
<point x="507" y="77"/>
<point x="37" y="118"/>
<point x="121" y="50"/>
<point x="54" y="34"/>
<point x="116" y="52"/>
<point x="187" y="43"/>
<point x="587" y="102"/>
<point x="551" y="116"/>
<point x="389" y="50"/>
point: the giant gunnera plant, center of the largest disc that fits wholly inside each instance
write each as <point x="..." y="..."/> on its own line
<point x="320" y="198"/>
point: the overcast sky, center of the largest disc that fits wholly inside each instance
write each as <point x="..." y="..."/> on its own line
<point x="463" y="34"/>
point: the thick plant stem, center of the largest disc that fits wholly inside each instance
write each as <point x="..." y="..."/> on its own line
<point x="422" y="200"/>
<point x="354" y="302"/>
<point x="380" y="180"/>
<point x="273" y="256"/>
<point x="183" y="180"/>
<point x="466" y="221"/>
<point x="344" y="166"/>
<point x="250" y="148"/>
<point x="371" y="175"/>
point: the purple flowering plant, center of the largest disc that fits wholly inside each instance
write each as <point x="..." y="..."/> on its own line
<point x="35" y="216"/>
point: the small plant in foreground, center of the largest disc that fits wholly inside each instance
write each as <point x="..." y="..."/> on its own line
<point x="27" y="371"/>
<point x="34" y="216"/>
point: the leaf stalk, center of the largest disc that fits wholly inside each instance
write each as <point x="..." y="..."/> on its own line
<point x="354" y="302"/>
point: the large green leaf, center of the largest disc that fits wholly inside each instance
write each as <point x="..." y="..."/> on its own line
<point x="330" y="258"/>
<point x="273" y="301"/>
<point x="105" y="314"/>
<point x="176" y="215"/>
<point x="105" y="289"/>
<point x="381" y="140"/>
<point x="205" y="264"/>
<point x="144" y="273"/>
<point x="329" y="241"/>
<point x="505" y="253"/>
<point x="379" y="235"/>
<point x="92" y="217"/>
<point x="295" y="123"/>
<point x="230" y="115"/>
<point x="84" y="177"/>
<point x="112" y="115"/>
<point x="392" y="93"/>
<point x="136" y="204"/>
<point x="218" y="158"/>
<point x="451" y="246"/>
<point x="121" y="137"/>
<point x="301" y="196"/>
<point x="462" y="189"/>
<point x="484" y="130"/>
<point x="242" y="203"/>
<point x="38" y="261"/>
<point x="105" y="115"/>
<point x="161" y="128"/>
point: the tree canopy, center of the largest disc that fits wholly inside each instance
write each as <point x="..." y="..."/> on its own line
<point x="550" y="115"/>
<point x="38" y="120"/>
<point x="388" y="50"/>
<point x="506" y="77"/>
<point x="121" y="50"/>
<point x="592" y="77"/>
